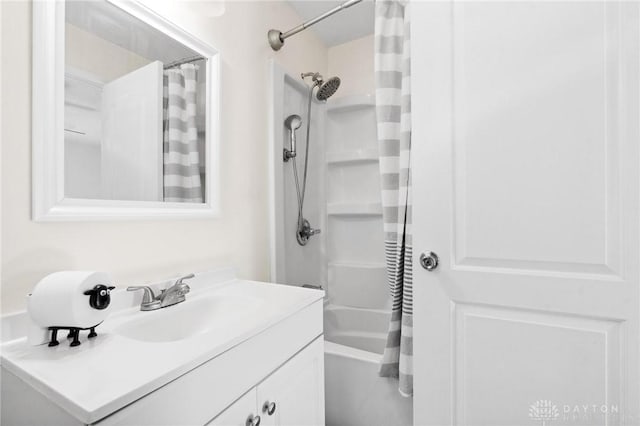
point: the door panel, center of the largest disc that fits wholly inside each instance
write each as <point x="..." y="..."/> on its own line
<point x="525" y="173"/>
<point x="516" y="358"/>
<point x="536" y="136"/>
<point x="132" y="136"/>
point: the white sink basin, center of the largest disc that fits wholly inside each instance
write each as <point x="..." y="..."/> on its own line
<point x="196" y="315"/>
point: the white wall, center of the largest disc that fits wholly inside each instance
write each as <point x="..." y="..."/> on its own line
<point x="83" y="169"/>
<point x="101" y="58"/>
<point x="353" y="63"/>
<point x="141" y="251"/>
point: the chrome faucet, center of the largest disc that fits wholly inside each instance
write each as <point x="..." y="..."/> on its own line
<point x="170" y="296"/>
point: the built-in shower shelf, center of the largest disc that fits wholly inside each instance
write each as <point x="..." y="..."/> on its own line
<point x="353" y="102"/>
<point x="354" y="209"/>
<point x="78" y="103"/>
<point x="353" y="156"/>
<point x="359" y="285"/>
<point x="357" y="265"/>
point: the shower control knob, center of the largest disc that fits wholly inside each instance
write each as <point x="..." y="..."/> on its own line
<point x="429" y="261"/>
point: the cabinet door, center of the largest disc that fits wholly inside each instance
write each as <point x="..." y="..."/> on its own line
<point x="296" y="389"/>
<point x="239" y="412"/>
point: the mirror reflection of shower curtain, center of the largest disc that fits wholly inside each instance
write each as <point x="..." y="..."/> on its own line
<point x="181" y="170"/>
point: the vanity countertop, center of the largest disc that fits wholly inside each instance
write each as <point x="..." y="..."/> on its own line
<point x="104" y="374"/>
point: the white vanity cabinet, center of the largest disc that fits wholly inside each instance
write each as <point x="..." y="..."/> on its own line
<point x="292" y="396"/>
<point x="272" y="352"/>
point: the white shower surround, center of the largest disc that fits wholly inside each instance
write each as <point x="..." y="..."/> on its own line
<point x="347" y="258"/>
<point x="354" y="393"/>
<point x="308" y="266"/>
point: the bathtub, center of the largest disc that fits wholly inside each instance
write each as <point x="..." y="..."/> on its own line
<point x="354" y="393"/>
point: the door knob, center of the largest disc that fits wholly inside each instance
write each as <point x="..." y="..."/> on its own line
<point x="269" y="408"/>
<point x="253" y="420"/>
<point x="429" y="261"/>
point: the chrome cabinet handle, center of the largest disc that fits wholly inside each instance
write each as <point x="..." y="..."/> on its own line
<point x="269" y="408"/>
<point x="253" y="420"/>
<point x="429" y="261"/>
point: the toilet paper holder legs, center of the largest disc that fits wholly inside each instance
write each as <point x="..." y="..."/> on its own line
<point x="74" y="334"/>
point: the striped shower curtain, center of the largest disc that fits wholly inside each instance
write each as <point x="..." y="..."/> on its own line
<point x="393" y="114"/>
<point x="181" y="170"/>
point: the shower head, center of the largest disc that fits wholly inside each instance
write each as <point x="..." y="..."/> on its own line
<point x="326" y="89"/>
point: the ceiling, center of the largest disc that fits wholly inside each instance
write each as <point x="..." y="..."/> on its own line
<point x="112" y="24"/>
<point x="346" y="25"/>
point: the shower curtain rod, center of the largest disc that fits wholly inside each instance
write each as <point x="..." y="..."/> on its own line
<point x="183" y="61"/>
<point x="277" y="38"/>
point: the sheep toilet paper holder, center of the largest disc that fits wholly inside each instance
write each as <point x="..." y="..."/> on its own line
<point x="68" y="300"/>
<point x="99" y="298"/>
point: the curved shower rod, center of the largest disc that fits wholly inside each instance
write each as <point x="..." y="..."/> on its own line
<point x="277" y="38"/>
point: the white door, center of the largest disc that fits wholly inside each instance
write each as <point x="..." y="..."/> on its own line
<point x="132" y="135"/>
<point x="294" y="394"/>
<point x="526" y="185"/>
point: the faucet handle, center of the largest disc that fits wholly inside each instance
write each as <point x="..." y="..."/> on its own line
<point x="149" y="296"/>
<point x="186" y="277"/>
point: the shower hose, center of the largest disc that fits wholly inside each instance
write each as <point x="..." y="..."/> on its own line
<point x="301" y="191"/>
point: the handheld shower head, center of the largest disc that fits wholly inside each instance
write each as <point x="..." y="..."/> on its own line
<point x="326" y="89"/>
<point x="293" y="122"/>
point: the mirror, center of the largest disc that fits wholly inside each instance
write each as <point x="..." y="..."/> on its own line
<point x="134" y="123"/>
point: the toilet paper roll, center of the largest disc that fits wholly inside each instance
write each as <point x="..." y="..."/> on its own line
<point x="58" y="300"/>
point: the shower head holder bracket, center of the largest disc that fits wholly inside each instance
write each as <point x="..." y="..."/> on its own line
<point x="287" y="154"/>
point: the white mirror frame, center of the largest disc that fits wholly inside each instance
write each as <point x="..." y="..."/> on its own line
<point x="48" y="200"/>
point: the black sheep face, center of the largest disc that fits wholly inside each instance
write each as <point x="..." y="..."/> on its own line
<point x="99" y="296"/>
